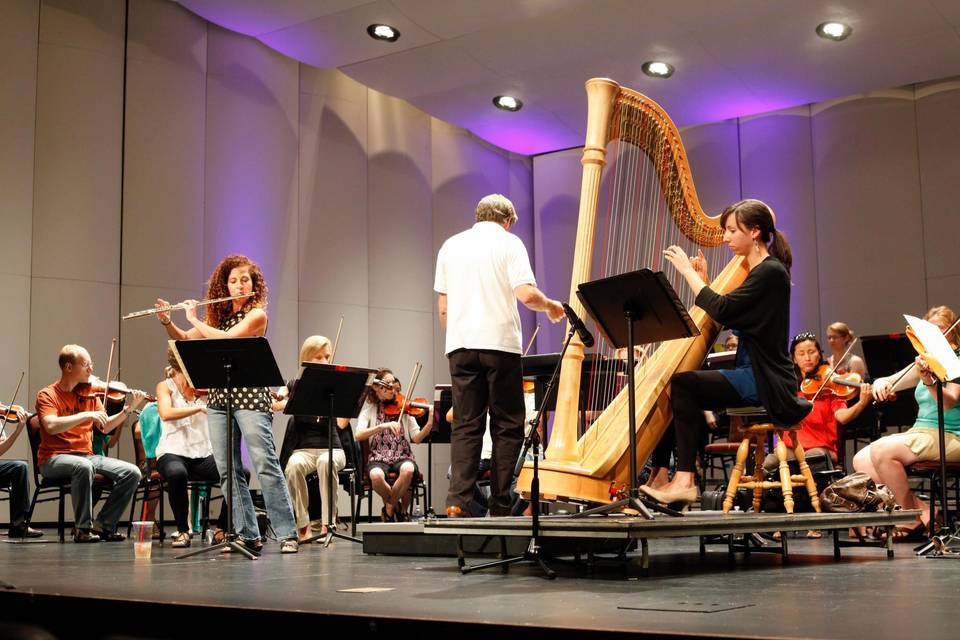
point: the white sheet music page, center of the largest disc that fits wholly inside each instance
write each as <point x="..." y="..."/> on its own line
<point x="936" y="345"/>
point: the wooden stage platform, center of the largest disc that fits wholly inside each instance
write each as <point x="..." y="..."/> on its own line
<point x="101" y="591"/>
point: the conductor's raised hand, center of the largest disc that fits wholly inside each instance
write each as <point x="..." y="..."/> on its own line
<point x="555" y="311"/>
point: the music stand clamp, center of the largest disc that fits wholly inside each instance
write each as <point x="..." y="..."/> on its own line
<point x="332" y="391"/>
<point x="227" y="363"/>
<point x="630" y="309"/>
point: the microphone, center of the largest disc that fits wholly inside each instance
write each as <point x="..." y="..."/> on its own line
<point x="585" y="336"/>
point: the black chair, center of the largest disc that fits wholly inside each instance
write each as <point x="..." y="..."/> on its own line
<point x="150" y="486"/>
<point x="54" y="489"/>
<point x="417" y="487"/>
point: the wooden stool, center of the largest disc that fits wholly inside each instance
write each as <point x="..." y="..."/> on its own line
<point x="755" y="435"/>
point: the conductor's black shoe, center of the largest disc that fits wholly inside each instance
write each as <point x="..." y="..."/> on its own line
<point x="110" y="536"/>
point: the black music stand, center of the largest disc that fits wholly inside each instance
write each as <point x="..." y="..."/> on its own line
<point x="639" y="303"/>
<point x="334" y="391"/>
<point x="227" y="363"/>
<point x="439" y="434"/>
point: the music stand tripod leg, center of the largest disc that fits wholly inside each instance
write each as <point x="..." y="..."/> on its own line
<point x="230" y="539"/>
<point x="532" y="440"/>
<point x="331" y="480"/>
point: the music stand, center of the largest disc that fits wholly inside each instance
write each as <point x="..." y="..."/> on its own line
<point x="639" y="307"/>
<point x="227" y="363"/>
<point x="334" y="391"/>
<point x="439" y="434"/>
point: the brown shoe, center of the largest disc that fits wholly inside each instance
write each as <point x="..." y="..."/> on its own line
<point x="453" y="511"/>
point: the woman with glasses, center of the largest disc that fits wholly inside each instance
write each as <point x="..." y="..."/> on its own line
<point x="759" y="311"/>
<point x="389" y="443"/>
<point x="839" y="337"/>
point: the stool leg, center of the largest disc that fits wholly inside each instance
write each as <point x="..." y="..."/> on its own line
<point x="786" y="486"/>
<point x="807" y="475"/>
<point x="758" y="459"/>
<point x="734" y="483"/>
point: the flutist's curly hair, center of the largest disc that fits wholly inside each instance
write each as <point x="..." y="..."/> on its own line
<point x="217" y="288"/>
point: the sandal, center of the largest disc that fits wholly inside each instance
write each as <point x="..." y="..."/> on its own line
<point x="814" y="534"/>
<point x="916" y="533"/>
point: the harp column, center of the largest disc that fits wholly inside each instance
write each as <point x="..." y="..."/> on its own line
<point x="601" y="95"/>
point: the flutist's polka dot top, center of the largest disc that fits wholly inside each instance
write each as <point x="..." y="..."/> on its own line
<point x="250" y="398"/>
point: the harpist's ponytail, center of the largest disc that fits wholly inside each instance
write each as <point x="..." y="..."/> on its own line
<point x="754" y="214"/>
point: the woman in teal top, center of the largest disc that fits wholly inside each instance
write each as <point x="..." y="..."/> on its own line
<point x="887" y="458"/>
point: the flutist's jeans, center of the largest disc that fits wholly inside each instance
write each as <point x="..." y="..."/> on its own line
<point x="256" y="427"/>
<point x="80" y="470"/>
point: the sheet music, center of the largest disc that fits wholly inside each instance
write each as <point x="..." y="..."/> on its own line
<point x="936" y="345"/>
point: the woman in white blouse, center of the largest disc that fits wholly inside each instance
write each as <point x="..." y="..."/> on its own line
<point x="184" y="452"/>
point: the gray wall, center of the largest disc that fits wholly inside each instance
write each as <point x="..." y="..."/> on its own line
<point x="115" y="190"/>
<point x="865" y="189"/>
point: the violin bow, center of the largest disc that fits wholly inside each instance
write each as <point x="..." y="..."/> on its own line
<point x="413" y="383"/>
<point x="336" y="342"/>
<point x="914" y="363"/>
<point x="532" y="338"/>
<point x="106" y="382"/>
<point x="833" y="368"/>
<point x="3" y="427"/>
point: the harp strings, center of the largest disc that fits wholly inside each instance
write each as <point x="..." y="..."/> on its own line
<point x="635" y="226"/>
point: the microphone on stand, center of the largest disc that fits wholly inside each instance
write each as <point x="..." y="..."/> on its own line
<point x="585" y="336"/>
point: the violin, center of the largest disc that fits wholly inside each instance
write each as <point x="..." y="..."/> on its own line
<point x="11" y="413"/>
<point x="842" y="386"/>
<point x="416" y="407"/>
<point x="116" y="392"/>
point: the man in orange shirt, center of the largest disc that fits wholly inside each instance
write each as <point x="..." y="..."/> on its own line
<point x="66" y="447"/>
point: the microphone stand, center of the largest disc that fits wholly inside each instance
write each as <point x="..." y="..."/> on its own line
<point x="533" y="552"/>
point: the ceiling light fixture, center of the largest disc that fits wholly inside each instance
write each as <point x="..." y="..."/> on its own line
<point x="508" y="103"/>
<point x="383" y="32"/>
<point x="834" y="31"/>
<point x="656" y="69"/>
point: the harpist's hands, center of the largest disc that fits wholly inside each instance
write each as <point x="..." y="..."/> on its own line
<point x="699" y="264"/>
<point x="679" y="259"/>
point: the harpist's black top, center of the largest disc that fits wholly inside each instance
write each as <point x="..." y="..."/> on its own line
<point x="759" y="309"/>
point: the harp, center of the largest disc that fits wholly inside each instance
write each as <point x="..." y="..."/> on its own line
<point x="635" y="164"/>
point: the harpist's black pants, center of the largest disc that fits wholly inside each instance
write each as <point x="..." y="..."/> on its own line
<point x="483" y="380"/>
<point x="694" y="392"/>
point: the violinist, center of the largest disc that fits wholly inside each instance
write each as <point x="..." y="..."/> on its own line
<point x="14" y="474"/>
<point x="839" y="337"/>
<point x="886" y="459"/>
<point x="390" y="437"/>
<point x="819" y="433"/>
<point x="758" y="309"/>
<point x="305" y="448"/>
<point x="237" y="275"/>
<point x="68" y="415"/>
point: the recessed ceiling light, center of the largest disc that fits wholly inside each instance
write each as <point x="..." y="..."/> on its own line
<point x="656" y="69"/>
<point x="508" y="103"/>
<point x="834" y="30"/>
<point x="383" y="32"/>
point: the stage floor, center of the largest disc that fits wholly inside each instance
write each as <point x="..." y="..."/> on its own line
<point x="863" y="595"/>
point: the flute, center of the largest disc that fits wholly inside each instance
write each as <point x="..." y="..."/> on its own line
<point x="181" y="305"/>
